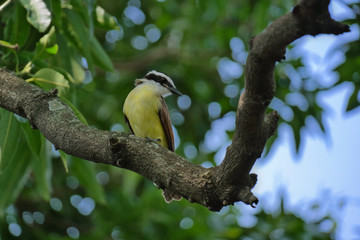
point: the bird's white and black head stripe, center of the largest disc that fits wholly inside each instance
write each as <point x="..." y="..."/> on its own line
<point x="163" y="83"/>
<point x="159" y="77"/>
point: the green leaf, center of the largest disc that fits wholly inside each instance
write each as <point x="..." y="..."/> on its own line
<point x="48" y="39"/>
<point x="104" y="20"/>
<point x="84" y="9"/>
<point x="86" y="174"/>
<point x="67" y="60"/>
<point x="33" y="138"/>
<point x="269" y="143"/>
<point x="40" y="160"/>
<point x="46" y="45"/>
<point x="64" y="158"/>
<point x="66" y="74"/>
<point x="75" y="29"/>
<point x="78" y="71"/>
<point x="42" y="169"/>
<point x="52" y="50"/>
<point x="56" y="11"/>
<point x="44" y="48"/>
<point x="9" y="134"/>
<point x="14" y="174"/>
<point x="38" y="14"/>
<point x="317" y="112"/>
<point x="16" y="29"/>
<point x="100" y="57"/>
<point x="48" y="78"/>
<point x="353" y="100"/>
<point x="346" y="69"/>
<point x="13" y="178"/>
<point x="296" y="127"/>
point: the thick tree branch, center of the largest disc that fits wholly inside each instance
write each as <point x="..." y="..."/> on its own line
<point x="215" y="187"/>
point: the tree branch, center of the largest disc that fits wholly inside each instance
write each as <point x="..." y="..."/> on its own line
<point x="215" y="187"/>
<point x="142" y="62"/>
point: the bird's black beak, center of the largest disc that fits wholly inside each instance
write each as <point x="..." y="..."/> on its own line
<point x="174" y="90"/>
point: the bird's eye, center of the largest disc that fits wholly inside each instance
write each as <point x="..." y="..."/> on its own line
<point x="162" y="81"/>
<point x="157" y="78"/>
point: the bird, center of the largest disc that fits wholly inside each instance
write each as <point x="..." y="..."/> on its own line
<point x="147" y="115"/>
<point x="145" y="109"/>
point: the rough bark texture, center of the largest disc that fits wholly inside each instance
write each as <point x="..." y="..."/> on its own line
<point x="214" y="187"/>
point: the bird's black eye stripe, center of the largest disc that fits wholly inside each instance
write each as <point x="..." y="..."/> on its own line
<point x="156" y="78"/>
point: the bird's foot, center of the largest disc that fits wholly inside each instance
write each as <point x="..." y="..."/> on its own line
<point x="157" y="140"/>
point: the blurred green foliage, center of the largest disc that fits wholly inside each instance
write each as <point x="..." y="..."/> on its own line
<point x="92" y="51"/>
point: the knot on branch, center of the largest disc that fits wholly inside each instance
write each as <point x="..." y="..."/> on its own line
<point x="117" y="147"/>
<point x="240" y="191"/>
<point x="270" y="123"/>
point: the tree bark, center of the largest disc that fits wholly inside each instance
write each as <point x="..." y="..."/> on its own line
<point x="215" y="187"/>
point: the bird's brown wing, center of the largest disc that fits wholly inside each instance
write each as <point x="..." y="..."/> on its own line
<point x="166" y="123"/>
<point x="128" y="123"/>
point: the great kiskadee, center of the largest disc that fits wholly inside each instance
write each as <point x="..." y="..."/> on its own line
<point x="145" y="109"/>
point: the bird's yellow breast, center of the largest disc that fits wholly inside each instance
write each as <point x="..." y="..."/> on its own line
<point x="141" y="107"/>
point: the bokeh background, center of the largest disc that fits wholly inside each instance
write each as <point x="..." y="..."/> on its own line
<point x="93" y="50"/>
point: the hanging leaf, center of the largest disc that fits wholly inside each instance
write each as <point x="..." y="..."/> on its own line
<point x="42" y="169"/>
<point x="14" y="159"/>
<point x="16" y="29"/>
<point x="269" y="143"/>
<point x="9" y="134"/>
<point x="13" y="178"/>
<point x="38" y="14"/>
<point x="100" y="57"/>
<point x="74" y="31"/>
<point x="40" y="160"/>
<point x="69" y="61"/>
<point x="353" y="101"/>
<point x="64" y="158"/>
<point x="33" y="138"/>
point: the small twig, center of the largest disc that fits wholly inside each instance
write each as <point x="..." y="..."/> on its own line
<point x="9" y="45"/>
<point x="7" y="2"/>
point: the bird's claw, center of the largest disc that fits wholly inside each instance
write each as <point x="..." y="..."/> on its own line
<point x="157" y="140"/>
